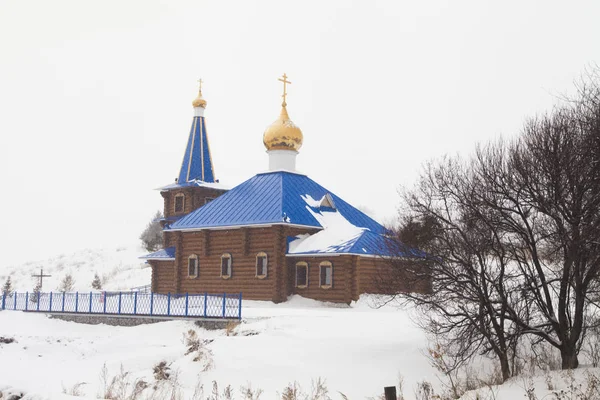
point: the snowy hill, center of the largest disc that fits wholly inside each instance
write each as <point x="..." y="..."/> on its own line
<point x="119" y="268"/>
<point x="357" y="350"/>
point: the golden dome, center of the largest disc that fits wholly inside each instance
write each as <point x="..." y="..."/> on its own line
<point x="199" y="101"/>
<point x="283" y="134"/>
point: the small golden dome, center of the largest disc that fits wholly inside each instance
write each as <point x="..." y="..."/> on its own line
<point x="283" y="134"/>
<point x="199" y="101"/>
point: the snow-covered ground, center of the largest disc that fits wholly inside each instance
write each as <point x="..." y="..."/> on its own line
<point x="357" y="349"/>
<point x="119" y="268"/>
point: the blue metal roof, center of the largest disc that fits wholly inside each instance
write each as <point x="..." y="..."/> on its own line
<point x="164" y="254"/>
<point x="365" y="244"/>
<point x="197" y="161"/>
<point x="270" y="198"/>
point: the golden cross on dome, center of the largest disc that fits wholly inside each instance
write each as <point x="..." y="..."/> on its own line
<point x="200" y="85"/>
<point x="285" y="81"/>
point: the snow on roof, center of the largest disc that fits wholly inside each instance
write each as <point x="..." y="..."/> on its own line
<point x="340" y="236"/>
<point x="336" y="235"/>
<point x="195" y="182"/>
<point x="164" y="254"/>
<point x="272" y="198"/>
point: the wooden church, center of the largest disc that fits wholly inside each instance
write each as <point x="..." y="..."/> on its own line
<point x="278" y="233"/>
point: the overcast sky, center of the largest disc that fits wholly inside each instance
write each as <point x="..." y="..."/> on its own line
<point x="95" y="97"/>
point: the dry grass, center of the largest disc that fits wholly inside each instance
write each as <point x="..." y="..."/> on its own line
<point x="119" y="386"/>
<point x="75" y="390"/>
<point x="230" y="328"/>
<point x="198" y="347"/>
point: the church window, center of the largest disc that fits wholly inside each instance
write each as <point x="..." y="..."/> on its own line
<point x="179" y="202"/>
<point x="301" y="275"/>
<point x="261" y="265"/>
<point x="193" y="266"/>
<point x="208" y="199"/>
<point x="226" y="266"/>
<point x="326" y="275"/>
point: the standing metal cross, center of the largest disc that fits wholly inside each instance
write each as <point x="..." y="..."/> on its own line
<point x="285" y="81"/>
<point x="200" y="85"/>
<point x="41" y="276"/>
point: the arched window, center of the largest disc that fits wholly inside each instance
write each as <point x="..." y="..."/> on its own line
<point x="226" y="266"/>
<point x="179" y="202"/>
<point x="301" y="275"/>
<point x="261" y="265"/>
<point x="193" y="266"/>
<point x="325" y="275"/>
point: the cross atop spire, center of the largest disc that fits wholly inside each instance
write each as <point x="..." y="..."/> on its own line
<point x="200" y="85"/>
<point x="285" y="81"/>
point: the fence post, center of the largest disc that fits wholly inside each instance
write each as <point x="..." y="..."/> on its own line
<point x="151" y="302"/>
<point x="169" y="303"/>
<point x="90" y="302"/>
<point x="240" y="307"/>
<point x="205" y="303"/>
<point x="390" y="392"/>
<point x="76" y="301"/>
<point x="104" y="299"/>
<point x="39" y="300"/>
<point x="224" y="303"/>
<point x="50" y="305"/>
<point x="26" y="301"/>
<point x="63" y="301"/>
<point x="187" y="298"/>
<point x="134" y="302"/>
<point x="3" y="300"/>
<point x="15" y="303"/>
<point x="119" y="302"/>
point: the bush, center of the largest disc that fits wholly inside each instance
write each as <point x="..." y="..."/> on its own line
<point x="7" y="289"/>
<point x="152" y="236"/>
<point x="97" y="283"/>
<point x="67" y="284"/>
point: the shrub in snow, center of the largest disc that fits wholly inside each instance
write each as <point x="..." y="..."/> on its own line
<point x="6" y="340"/>
<point x="152" y="236"/>
<point x="120" y="386"/>
<point x="35" y="294"/>
<point x="198" y="346"/>
<point x="97" y="283"/>
<point x="67" y="284"/>
<point x="7" y="289"/>
<point x="161" y="371"/>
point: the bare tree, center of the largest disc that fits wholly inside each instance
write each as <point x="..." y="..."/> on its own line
<point x="513" y="236"/>
<point x="67" y="284"/>
<point x="152" y="236"/>
<point x="465" y="264"/>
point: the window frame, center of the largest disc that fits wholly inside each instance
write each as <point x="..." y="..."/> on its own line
<point x="266" y="267"/>
<point x="305" y="265"/>
<point x="179" y="196"/>
<point x="197" y="266"/>
<point x="229" y="267"/>
<point x="325" y="264"/>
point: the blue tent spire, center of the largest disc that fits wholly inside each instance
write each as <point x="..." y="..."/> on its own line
<point x="197" y="161"/>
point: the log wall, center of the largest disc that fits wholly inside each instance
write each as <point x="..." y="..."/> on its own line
<point x="195" y="197"/>
<point x="352" y="274"/>
<point x="163" y="277"/>
<point x="339" y="292"/>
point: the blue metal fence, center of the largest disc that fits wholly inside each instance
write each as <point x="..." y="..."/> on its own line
<point x="227" y="306"/>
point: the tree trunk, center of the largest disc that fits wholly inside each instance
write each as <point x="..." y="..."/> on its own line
<point x="568" y="353"/>
<point x="505" y="367"/>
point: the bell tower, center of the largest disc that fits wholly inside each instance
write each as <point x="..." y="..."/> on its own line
<point x="196" y="183"/>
